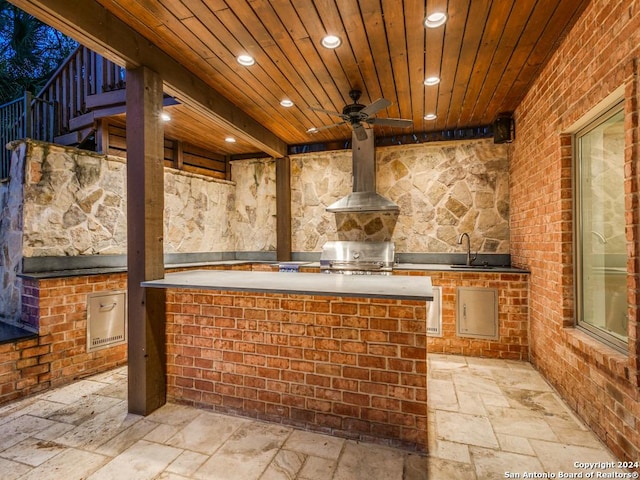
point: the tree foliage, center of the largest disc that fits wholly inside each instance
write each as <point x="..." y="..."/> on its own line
<point x="29" y="52"/>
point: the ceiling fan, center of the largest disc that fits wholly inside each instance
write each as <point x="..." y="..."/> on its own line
<point x="355" y="114"/>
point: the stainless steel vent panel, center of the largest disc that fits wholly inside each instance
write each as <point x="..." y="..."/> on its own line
<point x="106" y="320"/>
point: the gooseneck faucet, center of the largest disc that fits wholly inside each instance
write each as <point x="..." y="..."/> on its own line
<point x="470" y="259"/>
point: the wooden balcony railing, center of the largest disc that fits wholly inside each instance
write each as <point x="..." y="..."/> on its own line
<point x="77" y="84"/>
<point x="26" y="117"/>
<point x="85" y="87"/>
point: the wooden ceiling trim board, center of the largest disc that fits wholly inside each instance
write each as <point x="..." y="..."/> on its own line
<point x="333" y="24"/>
<point x="177" y="8"/>
<point x="336" y="80"/>
<point x="414" y="12"/>
<point x="474" y="30"/>
<point x="493" y="32"/>
<point x="144" y="19"/>
<point x="357" y="39"/>
<point x="378" y="40"/>
<point x="306" y="59"/>
<point x="453" y="39"/>
<point x="515" y="22"/>
<point x="229" y="74"/>
<point x="549" y="39"/>
<point x="216" y="5"/>
<point x="524" y="46"/>
<point x="279" y="80"/>
<point x="294" y="69"/>
<point x="222" y="42"/>
<point x="394" y="21"/>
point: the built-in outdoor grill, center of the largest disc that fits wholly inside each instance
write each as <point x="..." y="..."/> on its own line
<point x="357" y="258"/>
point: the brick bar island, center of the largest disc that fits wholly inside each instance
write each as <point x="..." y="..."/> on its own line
<point x="344" y="355"/>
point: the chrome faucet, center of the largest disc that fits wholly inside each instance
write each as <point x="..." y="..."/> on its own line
<point x="470" y="259"/>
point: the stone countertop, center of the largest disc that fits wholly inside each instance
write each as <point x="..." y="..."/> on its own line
<point x="363" y="286"/>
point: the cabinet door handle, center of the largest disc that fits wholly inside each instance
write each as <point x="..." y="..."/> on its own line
<point x="108" y="306"/>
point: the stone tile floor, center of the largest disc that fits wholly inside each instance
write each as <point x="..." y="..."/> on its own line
<point x="488" y="419"/>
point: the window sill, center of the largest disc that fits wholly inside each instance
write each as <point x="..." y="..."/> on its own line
<point x="604" y="357"/>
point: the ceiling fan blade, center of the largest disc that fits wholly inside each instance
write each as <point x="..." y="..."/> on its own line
<point x="390" y="122"/>
<point x="359" y="130"/>
<point x="330" y="112"/>
<point x="375" y="106"/>
<point x="319" y="129"/>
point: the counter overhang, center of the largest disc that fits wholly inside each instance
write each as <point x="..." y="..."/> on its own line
<point x="360" y="286"/>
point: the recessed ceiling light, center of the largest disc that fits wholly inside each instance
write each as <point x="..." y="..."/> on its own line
<point x="230" y="140"/>
<point x="331" y="41"/>
<point x="165" y="117"/>
<point x="246" y="60"/>
<point x="432" y="81"/>
<point x="286" y="103"/>
<point x="430" y="116"/>
<point x="435" y="19"/>
<point x="312" y="130"/>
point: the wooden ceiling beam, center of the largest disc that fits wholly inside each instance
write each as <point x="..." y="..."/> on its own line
<point x="92" y="25"/>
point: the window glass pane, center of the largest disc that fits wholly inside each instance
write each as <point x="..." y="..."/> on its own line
<point x="602" y="245"/>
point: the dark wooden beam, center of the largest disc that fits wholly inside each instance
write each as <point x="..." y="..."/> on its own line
<point x="92" y="25"/>
<point x="145" y="259"/>
<point x="283" y="209"/>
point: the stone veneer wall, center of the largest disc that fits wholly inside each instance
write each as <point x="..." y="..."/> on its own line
<point x="596" y="63"/>
<point x="69" y="202"/>
<point x="75" y="204"/>
<point x="443" y="189"/>
<point x="11" y="203"/>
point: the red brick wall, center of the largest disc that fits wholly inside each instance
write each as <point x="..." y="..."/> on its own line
<point x="597" y="56"/>
<point x="58" y="355"/>
<point x="513" y="315"/>
<point x="351" y="367"/>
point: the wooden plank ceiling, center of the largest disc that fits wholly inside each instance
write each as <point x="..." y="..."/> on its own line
<point x="487" y="54"/>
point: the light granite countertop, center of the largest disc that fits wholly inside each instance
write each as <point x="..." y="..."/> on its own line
<point x="362" y="286"/>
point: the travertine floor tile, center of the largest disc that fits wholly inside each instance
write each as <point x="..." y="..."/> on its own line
<point x="486" y="417"/>
<point x="315" y="444"/>
<point x="246" y="454"/>
<point x="72" y="464"/>
<point x="284" y="466"/>
<point x="492" y="464"/>
<point x="143" y="461"/>
<point x="465" y="429"/>
<point x="557" y="457"/>
<point x="361" y="461"/>
<point x="317" y="468"/>
<point x="206" y="433"/>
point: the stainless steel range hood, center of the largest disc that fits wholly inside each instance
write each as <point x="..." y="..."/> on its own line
<point x="364" y="197"/>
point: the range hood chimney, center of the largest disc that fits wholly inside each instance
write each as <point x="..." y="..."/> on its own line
<point x="364" y="197"/>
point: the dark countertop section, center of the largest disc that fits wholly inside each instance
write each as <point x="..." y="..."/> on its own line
<point x="458" y="268"/>
<point x="363" y="286"/>
<point x="11" y="333"/>
<point x="440" y="267"/>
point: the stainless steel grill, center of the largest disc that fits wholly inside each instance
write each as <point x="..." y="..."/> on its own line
<point x="357" y="258"/>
